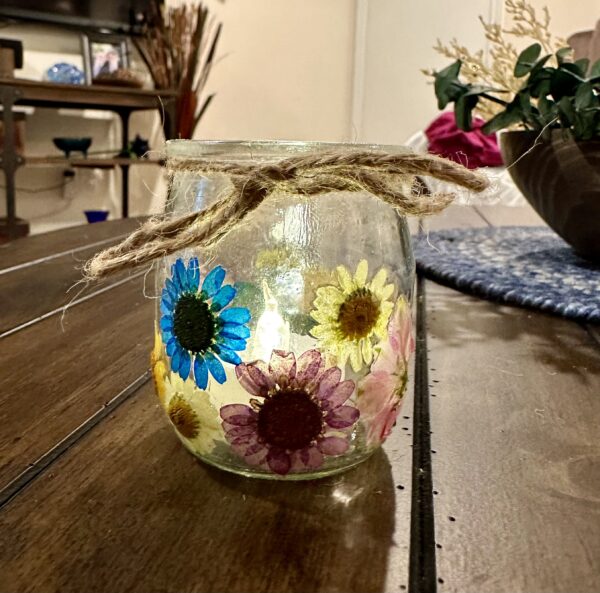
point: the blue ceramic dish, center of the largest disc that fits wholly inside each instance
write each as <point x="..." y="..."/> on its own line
<point x="69" y="145"/>
<point x="96" y="215"/>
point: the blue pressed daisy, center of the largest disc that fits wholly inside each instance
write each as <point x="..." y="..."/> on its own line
<point x="197" y="327"/>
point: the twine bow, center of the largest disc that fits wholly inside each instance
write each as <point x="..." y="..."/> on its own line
<point x="378" y="173"/>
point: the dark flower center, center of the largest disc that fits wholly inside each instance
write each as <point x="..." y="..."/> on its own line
<point x="289" y="420"/>
<point x="194" y="324"/>
<point x="358" y="314"/>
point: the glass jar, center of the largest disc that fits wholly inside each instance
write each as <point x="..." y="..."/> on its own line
<point x="283" y="351"/>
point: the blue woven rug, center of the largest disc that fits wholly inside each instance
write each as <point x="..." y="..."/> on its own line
<point x="527" y="266"/>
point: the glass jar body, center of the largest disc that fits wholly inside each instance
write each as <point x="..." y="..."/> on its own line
<point x="282" y="352"/>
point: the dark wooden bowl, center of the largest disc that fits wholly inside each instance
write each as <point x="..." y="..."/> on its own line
<point x="560" y="178"/>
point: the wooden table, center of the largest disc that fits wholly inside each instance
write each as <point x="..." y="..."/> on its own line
<point x="490" y="482"/>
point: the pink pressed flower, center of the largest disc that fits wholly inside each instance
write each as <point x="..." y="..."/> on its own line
<point x="300" y="417"/>
<point x="381" y="391"/>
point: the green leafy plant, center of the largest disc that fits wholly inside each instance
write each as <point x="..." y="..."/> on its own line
<point x="563" y="96"/>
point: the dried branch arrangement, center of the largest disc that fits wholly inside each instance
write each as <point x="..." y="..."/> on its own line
<point x="178" y="46"/>
<point x="502" y="53"/>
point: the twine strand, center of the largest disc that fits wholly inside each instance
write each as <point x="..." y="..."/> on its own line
<point x="383" y="175"/>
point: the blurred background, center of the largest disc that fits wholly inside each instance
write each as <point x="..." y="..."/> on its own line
<point x="334" y="70"/>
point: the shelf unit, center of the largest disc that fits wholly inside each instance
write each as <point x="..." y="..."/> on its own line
<point x="122" y="101"/>
<point x="88" y="162"/>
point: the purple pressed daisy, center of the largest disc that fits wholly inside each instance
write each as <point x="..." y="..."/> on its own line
<point x="297" y="415"/>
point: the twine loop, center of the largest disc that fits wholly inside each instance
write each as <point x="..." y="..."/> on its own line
<point x="383" y="175"/>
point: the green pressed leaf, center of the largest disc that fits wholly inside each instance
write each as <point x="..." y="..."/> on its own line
<point x="527" y="59"/>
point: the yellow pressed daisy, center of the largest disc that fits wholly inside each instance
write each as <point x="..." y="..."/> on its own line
<point x="352" y="314"/>
<point x="189" y="409"/>
<point x="158" y="368"/>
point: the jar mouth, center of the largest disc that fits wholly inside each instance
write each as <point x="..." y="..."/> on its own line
<point x="264" y="149"/>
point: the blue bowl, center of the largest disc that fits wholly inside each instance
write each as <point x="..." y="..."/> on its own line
<point x="96" y="215"/>
<point x="69" y="145"/>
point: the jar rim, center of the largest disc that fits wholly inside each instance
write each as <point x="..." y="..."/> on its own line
<point x="251" y="149"/>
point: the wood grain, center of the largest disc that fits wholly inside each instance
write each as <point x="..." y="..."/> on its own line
<point x="138" y="513"/>
<point x="30" y="292"/>
<point x="517" y="462"/>
<point x="55" y="376"/>
<point x="62" y="241"/>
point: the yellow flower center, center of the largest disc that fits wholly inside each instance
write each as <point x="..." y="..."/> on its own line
<point x="358" y="314"/>
<point x="183" y="417"/>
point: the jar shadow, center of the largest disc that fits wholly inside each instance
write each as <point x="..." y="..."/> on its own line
<point x="332" y="534"/>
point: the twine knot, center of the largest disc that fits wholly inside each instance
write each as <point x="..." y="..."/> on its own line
<point x="383" y="175"/>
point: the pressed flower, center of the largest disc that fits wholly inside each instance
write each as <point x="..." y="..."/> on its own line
<point x="191" y="413"/>
<point x="352" y="314"/>
<point x="297" y="416"/>
<point x="158" y="367"/>
<point x="197" y="326"/>
<point x="380" y="393"/>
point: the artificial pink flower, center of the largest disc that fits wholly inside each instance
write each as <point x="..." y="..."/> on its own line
<point x="380" y="392"/>
<point x="472" y="149"/>
<point x="300" y="417"/>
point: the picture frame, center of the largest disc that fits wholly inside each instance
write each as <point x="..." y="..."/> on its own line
<point x="103" y="54"/>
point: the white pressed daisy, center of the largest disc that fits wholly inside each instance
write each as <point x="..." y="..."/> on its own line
<point x="189" y="409"/>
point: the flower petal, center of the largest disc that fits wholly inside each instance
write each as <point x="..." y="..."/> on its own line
<point x="176" y="359"/>
<point x="339" y="394"/>
<point x="329" y="379"/>
<point x="238" y="414"/>
<point x="386" y="292"/>
<point x="200" y="372"/>
<point x="223" y="298"/>
<point x="166" y="322"/>
<point x="310" y="458"/>
<point x="193" y="274"/>
<point x="227" y="355"/>
<point x="234" y="344"/>
<point x="212" y="282"/>
<point x="185" y="364"/>
<point x="241" y="431"/>
<point x="256" y="454"/>
<point x="237" y="315"/>
<point x="279" y="461"/>
<point x="367" y="350"/>
<point x="215" y="367"/>
<point x="342" y="417"/>
<point x="253" y="379"/>
<point x="282" y="367"/>
<point x="378" y="282"/>
<point x="172" y="289"/>
<point x="345" y="280"/>
<point x="333" y="445"/>
<point x="179" y="275"/>
<point x="230" y="330"/>
<point x="356" y="358"/>
<point x="308" y="366"/>
<point x="172" y="344"/>
<point x="362" y="271"/>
